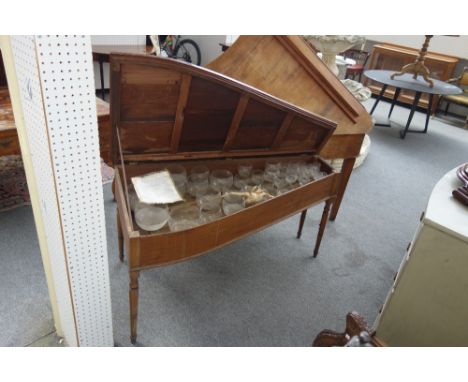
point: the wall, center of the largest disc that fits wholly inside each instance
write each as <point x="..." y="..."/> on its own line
<point x="454" y="46"/>
<point x="209" y="46"/>
<point x="112" y="40"/>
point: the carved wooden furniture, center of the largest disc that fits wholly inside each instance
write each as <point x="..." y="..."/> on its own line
<point x="407" y="82"/>
<point x="361" y="57"/>
<point x="9" y="144"/>
<point x="394" y="57"/>
<point x="355" y="324"/>
<point x="427" y="304"/>
<point x="417" y="68"/>
<point x="461" y="99"/>
<point x="165" y="112"/>
<point x="288" y="68"/>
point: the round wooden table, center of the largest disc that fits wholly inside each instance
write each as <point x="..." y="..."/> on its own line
<point x="407" y="82"/>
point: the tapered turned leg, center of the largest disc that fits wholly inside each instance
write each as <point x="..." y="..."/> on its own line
<point x="301" y="223"/>
<point x="113" y="188"/>
<point x="133" y="305"/>
<point x="323" y="224"/>
<point x="346" y="170"/>
<point x="120" y="237"/>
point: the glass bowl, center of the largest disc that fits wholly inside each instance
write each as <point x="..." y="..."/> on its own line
<point x="199" y="173"/>
<point x="240" y="183"/>
<point x="184" y="216"/>
<point x="132" y="198"/>
<point x="244" y="170"/>
<point x="281" y="185"/>
<point x="257" y="177"/>
<point x="207" y="216"/>
<point x="209" y="201"/>
<point x="197" y="188"/>
<point x="273" y="166"/>
<point x="232" y="203"/>
<point x="151" y="217"/>
<point x="221" y="180"/>
<point x="270" y="188"/>
<point x="178" y="172"/>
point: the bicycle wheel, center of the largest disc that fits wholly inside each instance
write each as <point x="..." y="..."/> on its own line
<point x="188" y="51"/>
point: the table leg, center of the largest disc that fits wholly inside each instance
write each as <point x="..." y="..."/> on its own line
<point x="133" y="294"/>
<point x="394" y="101"/>
<point x="410" y="117"/>
<point x="120" y="238"/>
<point x="384" y="87"/>
<point x="323" y="223"/>
<point x="301" y="223"/>
<point x="346" y="170"/>
<point x="101" y="72"/>
<point x="428" y="112"/>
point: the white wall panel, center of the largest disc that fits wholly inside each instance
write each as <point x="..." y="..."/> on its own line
<point x="61" y="122"/>
<point x="27" y="71"/>
<point x="118" y="40"/>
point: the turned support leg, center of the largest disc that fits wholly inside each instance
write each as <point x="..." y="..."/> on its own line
<point x="133" y="305"/>
<point x="113" y="188"/>
<point x="301" y="223"/>
<point x="120" y="238"/>
<point x="346" y="171"/>
<point x="323" y="223"/>
<point x="355" y="324"/>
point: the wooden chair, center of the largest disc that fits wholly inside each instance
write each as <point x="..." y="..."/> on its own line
<point x="460" y="99"/>
<point x="355" y="326"/>
<point x="361" y="58"/>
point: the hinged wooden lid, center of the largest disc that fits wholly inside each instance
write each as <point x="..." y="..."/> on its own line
<point x="166" y="109"/>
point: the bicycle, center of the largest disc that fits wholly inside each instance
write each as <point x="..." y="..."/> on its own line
<point x="180" y="49"/>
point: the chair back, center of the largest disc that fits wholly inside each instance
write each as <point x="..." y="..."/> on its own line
<point x="360" y="56"/>
<point x="464" y="77"/>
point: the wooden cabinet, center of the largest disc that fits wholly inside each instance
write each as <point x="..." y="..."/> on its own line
<point x="427" y="305"/>
<point x="394" y="57"/>
<point x="9" y="143"/>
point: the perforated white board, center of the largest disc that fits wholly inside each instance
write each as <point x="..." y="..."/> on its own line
<point x="67" y="89"/>
<point x="27" y="71"/>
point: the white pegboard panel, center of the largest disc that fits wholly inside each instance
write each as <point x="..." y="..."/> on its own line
<point x="65" y="64"/>
<point x="59" y="107"/>
<point x="27" y="71"/>
<point x="118" y="40"/>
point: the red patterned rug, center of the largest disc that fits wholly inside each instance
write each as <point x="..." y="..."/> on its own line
<point x="13" y="187"/>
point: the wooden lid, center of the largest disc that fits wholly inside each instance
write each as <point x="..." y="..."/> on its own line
<point x="164" y="109"/>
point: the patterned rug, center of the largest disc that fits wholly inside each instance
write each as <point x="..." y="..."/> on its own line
<point x="13" y="187"/>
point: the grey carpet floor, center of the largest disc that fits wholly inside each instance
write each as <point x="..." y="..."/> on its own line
<point x="265" y="290"/>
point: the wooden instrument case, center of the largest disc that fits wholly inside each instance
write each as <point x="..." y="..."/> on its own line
<point x="167" y="112"/>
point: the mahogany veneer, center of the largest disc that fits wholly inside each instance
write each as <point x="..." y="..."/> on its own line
<point x="165" y="112"/>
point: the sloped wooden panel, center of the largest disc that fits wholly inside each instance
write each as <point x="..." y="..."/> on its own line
<point x="288" y="68"/>
<point x="147" y="94"/>
<point x="207" y="117"/>
<point x="162" y="108"/>
<point x="259" y="126"/>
